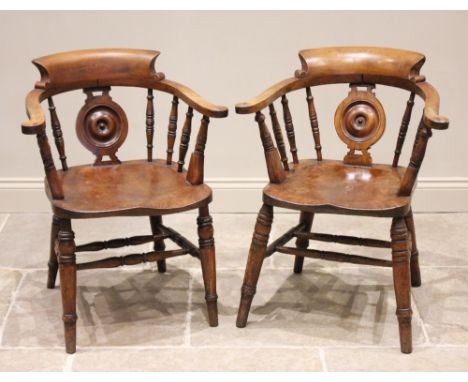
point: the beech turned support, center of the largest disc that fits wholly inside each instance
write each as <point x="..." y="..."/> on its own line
<point x="314" y="123"/>
<point x="402" y="281"/>
<point x="53" y="261"/>
<point x="306" y="219"/>
<point x="67" y="266"/>
<point x="403" y="129"/>
<point x="149" y="125"/>
<point x="208" y="262"/>
<point x="185" y="139"/>
<point x="275" y="172"/>
<point x="195" y="172"/>
<point x="57" y="133"/>
<point x="172" y="130"/>
<point x="278" y="137"/>
<point x="414" y="262"/>
<point x="289" y="128"/>
<point x="159" y="245"/>
<point x="254" y="262"/>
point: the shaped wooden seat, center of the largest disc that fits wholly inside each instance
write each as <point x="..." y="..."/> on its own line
<point x="136" y="188"/>
<point x="331" y="186"/>
<point x="111" y="186"/>
<point x="355" y="186"/>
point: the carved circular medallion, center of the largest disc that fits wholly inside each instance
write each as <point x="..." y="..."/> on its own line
<point x="101" y="125"/>
<point x="360" y="119"/>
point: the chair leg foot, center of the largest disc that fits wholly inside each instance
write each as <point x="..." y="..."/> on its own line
<point x="307" y="218"/>
<point x="159" y="245"/>
<point x="254" y="262"/>
<point x="67" y="267"/>
<point x="414" y="262"/>
<point x="402" y="281"/>
<point x="53" y="262"/>
<point x="208" y="262"/>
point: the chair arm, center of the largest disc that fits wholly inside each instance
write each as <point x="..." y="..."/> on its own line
<point x="36" y="121"/>
<point x="431" y="117"/>
<point x="192" y="99"/>
<point x="268" y="96"/>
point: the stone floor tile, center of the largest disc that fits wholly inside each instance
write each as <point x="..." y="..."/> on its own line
<point x="115" y="308"/>
<point x="9" y="280"/>
<point x="390" y="359"/>
<point x="205" y="359"/>
<point x="354" y="306"/>
<point x="32" y="360"/>
<point x="442" y="301"/>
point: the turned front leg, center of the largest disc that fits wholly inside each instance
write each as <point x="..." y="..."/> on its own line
<point x="414" y="262"/>
<point x="401" y="281"/>
<point x="67" y="267"/>
<point x="254" y="262"/>
<point x="53" y="262"/>
<point x="208" y="262"/>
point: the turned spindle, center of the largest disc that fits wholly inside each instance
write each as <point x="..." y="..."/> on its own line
<point x="57" y="133"/>
<point x="185" y="139"/>
<point x="278" y="136"/>
<point x="419" y="150"/>
<point x="289" y="128"/>
<point x="149" y="124"/>
<point x="196" y="165"/>
<point x="275" y="172"/>
<point x="49" y="166"/>
<point x="172" y="129"/>
<point x="314" y="123"/>
<point x="403" y="129"/>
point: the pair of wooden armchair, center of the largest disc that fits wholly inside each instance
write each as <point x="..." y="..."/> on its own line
<point x="156" y="187"/>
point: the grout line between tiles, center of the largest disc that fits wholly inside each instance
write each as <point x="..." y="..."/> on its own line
<point x="69" y="363"/>
<point x="4" y="222"/>
<point x="188" y="317"/>
<point x="322" y="359"/>
<point x="10" y="307"/>
<point x="421" y="321"/>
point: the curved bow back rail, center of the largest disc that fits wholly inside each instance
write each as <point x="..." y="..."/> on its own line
<point x="97" y="70"/>
<point x="360" y="66"/>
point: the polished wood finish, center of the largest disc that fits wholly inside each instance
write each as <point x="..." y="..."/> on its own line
<point x="354" y="186"/>
<point x="318" y="187"/>
<point x="149" y="187"/>
<point x="130" y="188"/>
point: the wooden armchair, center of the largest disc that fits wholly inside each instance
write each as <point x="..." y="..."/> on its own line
<point x="150" y="187"/>
<point x="355" y="185"/>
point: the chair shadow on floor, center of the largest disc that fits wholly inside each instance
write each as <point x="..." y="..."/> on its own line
<point x="317" y="304"/>
<point x="143" y="307"/>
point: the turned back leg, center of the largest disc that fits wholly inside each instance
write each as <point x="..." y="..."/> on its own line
<point x="402" y="281"/>
<point x="53" y="262"/>
<point x="67" y="267"/>
<point x="414" y="262"/>
<point x="254" y="262"/>
<point x="208" y="262"/>
<point x="306" y="218"/>
<point x="159" y="245"/>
